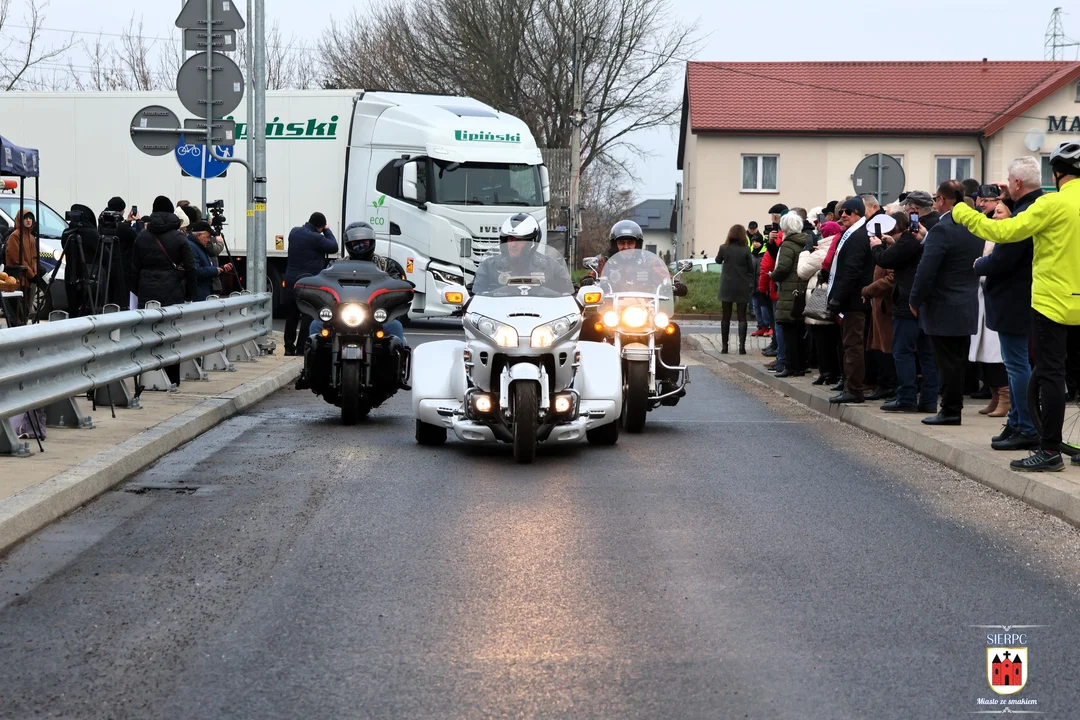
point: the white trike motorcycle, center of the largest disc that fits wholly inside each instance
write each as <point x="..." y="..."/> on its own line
<point x="521" y="376"/>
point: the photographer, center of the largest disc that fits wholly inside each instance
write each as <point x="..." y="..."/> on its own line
<point x="112" y="223"/>
<point x="216" y="245"/>
<point x="205" y="270"/>
<point x="309" y="244"/>
<point x="81" y="244"/>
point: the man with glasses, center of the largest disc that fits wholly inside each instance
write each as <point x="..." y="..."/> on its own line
<point x="1053" y="224"/>
<point x="945" y="299"/>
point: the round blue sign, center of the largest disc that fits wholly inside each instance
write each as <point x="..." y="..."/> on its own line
<point x="196" y="162"/>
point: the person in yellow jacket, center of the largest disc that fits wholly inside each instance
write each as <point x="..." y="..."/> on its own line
<point x="1053" y="223"/>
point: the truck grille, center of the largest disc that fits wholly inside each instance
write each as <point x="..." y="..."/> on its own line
<point x="483" y="248"/>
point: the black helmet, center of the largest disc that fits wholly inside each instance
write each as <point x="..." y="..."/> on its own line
<point x="360" y="241"/>
<point x="626" y="229"/>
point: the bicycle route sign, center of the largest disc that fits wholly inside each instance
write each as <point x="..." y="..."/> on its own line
<point x="196" y="162"/>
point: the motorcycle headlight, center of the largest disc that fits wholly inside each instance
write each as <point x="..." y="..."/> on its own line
<point x="611" y="318"/>
<point x="545" y="335"/>
<point x="502" y="334"/>
<point x="380" y="315"/>
<point x="635" y="316"/>
<point x="326" y="314"/>
<point x="352" y="314"/>
<point x="661" y="320"/>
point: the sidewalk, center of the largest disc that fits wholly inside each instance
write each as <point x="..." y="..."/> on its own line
<point x="78" y="465"/>
<point x="965" y="449"/>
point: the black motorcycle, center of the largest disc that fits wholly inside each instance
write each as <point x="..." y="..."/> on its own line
<point x="353" y="362"/>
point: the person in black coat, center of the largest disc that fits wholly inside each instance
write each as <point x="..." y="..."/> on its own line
<point x="1008" y="296"/>
<point x="123" y="277"/>
<point x="852" y="269"/>
<point x="81" y="244"/>
<point x="309" y="244"/>
<point x="945" y="299"/>
<point x="900" y="252"/>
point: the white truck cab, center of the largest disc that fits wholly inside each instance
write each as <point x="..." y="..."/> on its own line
<point x="437" y="176"/>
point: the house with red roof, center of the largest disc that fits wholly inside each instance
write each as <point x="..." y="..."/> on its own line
<point x="756" y="134"/>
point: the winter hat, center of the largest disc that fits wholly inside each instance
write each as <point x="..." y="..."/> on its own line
<point x="184" y="221"/>
<point x="919" y="198"/>
<point x="854" y="204"/>
<point x="778" y="209"/>
<point x="117" y="204"/>
<point x="830" y="228"/>
<point x="201" y="226"/>
<point x="163" y="204"/>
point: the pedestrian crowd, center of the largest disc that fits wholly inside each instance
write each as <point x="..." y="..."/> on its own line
<point x="968" y="290"/>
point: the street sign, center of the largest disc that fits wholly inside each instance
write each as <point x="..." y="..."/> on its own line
<point x="196" y="162"/>
<point x="223" y="133"/>
<point x="880" y="175"/>
<point x="226" y="16"/>
<point x="155" y="117"/>
<point x="228" y="84"/>
<point x="195" y="40"/>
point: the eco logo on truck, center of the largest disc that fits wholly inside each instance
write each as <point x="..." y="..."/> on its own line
<point x="466" y="136"/>
<point x="377" y="219"/>
<point x="310" y="129"/>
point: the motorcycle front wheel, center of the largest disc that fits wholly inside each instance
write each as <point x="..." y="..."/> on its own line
<point x="351" y="410"/>
<point x="526" y="412"/>
<point x="636" y="396"/>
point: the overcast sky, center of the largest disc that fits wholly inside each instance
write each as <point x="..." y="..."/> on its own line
<point x="761" y="30"/>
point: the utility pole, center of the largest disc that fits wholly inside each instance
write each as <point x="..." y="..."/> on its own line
<point x="578" y="118"/>
<point x="257" y="245"/>
<point x="249" y="101"/>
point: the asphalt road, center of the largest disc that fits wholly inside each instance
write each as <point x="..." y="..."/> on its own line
<point x="744" y="558"/>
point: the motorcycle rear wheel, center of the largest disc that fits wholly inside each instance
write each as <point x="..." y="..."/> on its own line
<point x="526" y="418"/>
<point x="636" y="397"/>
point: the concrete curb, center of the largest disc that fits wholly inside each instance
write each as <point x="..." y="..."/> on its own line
<point x="1044" y="491"/>
<point x="36" y="507"/>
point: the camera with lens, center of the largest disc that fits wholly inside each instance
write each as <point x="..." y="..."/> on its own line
<point x="217" y="214"/>
<point x="109" y="222"/>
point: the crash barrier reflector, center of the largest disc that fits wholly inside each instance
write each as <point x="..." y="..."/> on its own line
<point x="49" y="364"/>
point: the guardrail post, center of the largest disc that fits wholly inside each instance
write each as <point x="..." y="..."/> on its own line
<point x="66" y="414"/>
<point x="10" y="444"/>
<point x="192" y="370"/>
<point x="156" y="380"/>
<point x="117" y="395"/>
<point x="217" y="362"/>
<point x="239" y="353"/>
<point x="57" y="315"/>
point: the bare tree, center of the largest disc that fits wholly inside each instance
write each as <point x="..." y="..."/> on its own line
<point x="286" y="65"/>
<point x="23" y="55"/>
<point x="605" y="199"/>
<point x="516" y="56"/>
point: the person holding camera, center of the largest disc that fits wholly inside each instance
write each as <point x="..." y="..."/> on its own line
<point x="309" y="244"/>
<point x="205" y="270"/>
<point x="81" y="244"/>
<point x="114" y="227"/>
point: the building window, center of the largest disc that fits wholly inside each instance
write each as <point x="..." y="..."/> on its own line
<point x="953" y="168"/>
<point x="1047" y="173"/>
<point x="1078" y="92"/>
<point x="759" y="173"/>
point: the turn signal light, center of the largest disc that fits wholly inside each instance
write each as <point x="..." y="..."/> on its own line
<point x="380" y="334"/>
<point x="599" y="327"/>
<point x="454" y="298"/>
<point x="670" y="329"/>
<point x="324" y="332"/>
<point x="591" y="298"/>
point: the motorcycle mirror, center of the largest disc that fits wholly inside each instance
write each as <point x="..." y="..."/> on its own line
<point x="590" y="296"/>
<point x="685" y="266"/>
<point x="591" y="262"/>
<point x="455" y="295"/>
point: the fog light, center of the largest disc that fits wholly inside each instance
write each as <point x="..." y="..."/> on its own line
<point x="380" y="315"/>
<point x="562" y="404"/>
<point x="662" y="319"/>
<point x="482" y="403"/>
<point x="326" y="314"/>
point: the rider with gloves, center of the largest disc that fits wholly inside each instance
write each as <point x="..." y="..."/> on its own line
<point x="519" y="239"/>
<point x="627" y="235"/>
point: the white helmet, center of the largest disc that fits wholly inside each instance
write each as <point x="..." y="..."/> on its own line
<point x="521" y="226"/>
<point x="1066" y="158"/>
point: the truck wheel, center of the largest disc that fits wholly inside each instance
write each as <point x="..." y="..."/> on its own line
<point x="635" y="396"/>
<point x="604" y="435"/>
<point x="350" y="393"/>
<point x="428" y="434"/>
<point x="526" y="412"/>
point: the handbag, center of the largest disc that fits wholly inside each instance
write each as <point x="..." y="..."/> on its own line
<point x="817" y="304"/>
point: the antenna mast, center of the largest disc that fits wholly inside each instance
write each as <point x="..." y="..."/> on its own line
<point x="1056" y="40"/>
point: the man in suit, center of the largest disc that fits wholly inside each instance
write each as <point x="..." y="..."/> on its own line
<point x="945" y="299"/>
<point x="852" y="269"/>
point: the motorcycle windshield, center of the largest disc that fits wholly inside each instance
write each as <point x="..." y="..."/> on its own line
<point x="523" y="269"/>
<point x="638" y="277"/>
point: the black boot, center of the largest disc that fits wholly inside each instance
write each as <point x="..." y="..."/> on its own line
<point x="742" y="338"/>
<point x="725" y="332"/>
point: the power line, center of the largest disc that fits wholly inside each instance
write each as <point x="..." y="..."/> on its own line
<point x="155" y="38"/>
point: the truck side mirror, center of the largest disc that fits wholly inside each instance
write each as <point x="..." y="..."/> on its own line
<point x="545" y="183"/>
<point x="409" y="189"/>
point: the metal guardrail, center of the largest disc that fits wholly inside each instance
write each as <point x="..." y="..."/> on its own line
<point x="49" y="364"/>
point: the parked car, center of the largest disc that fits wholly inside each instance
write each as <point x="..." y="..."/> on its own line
<point x="700" y="265"/>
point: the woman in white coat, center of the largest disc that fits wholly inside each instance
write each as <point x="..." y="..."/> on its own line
<point x="986" y="350"/>
<point x="826" y="335"/>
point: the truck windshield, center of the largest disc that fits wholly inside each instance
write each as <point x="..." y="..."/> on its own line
<point x="486" y="184"/>
<point x="50" y="224"/>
